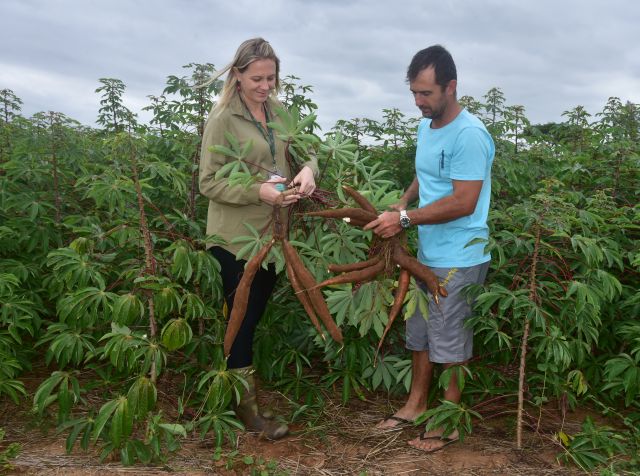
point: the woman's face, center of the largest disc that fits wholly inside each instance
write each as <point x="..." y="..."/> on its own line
<point x="257" y="81"/>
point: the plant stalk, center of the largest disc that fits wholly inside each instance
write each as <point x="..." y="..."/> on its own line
<point x="525" y="338"/>
<point x="150" y="262"/>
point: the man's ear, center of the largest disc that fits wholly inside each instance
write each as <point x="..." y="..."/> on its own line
<point x="451" y="87"/>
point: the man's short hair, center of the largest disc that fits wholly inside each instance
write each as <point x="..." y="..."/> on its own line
<point x="438" y="57"/>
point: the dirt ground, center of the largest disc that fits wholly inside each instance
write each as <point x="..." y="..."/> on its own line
<point x="343" y="441"/>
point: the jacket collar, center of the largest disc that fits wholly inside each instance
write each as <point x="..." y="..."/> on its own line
<point x="237" y="108"/>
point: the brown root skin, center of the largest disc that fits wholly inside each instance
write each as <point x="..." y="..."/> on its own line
<point x="308" y="283"/>
<point x="419" y="271"/>
<point x="355" y="222"/>
<point x="286" y="193"/>
<point x="401" y="292"/>
<point x="360" y="199"/>
<point x="241" y="298"/>
<point x="353" y="213"/>
<point x="343" y="268"/>
<point x="304" y="299"/>
<point x="357" y="276"/>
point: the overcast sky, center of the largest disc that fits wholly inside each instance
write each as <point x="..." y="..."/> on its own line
<point x="548" y="56"/>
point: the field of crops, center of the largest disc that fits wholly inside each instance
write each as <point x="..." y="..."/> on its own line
<point x="111" y="310"/>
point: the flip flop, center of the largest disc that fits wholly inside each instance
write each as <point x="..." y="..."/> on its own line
<point x="445" y="439"/>
<point x="402" y="422"/>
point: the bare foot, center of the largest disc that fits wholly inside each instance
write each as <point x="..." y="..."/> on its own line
<point x="433" y="441"/>
<point x="402" y="417"/>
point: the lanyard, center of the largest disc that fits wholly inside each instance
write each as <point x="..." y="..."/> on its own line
<point x="268" y="134"/>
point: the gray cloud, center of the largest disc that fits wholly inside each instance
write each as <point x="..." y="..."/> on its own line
<point x="549" y="56"/>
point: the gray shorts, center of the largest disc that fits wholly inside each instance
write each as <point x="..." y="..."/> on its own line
<point x="442" y="332"/>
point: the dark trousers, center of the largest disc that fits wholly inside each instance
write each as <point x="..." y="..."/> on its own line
<point x="263" y="283"/>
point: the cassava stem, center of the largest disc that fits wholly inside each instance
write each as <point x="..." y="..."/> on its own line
<point x="241" y="299"/>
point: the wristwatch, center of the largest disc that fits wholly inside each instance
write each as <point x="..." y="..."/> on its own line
<point x="405" y="221"/>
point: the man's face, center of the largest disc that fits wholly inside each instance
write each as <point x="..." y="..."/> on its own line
<point x="430" y="97"/>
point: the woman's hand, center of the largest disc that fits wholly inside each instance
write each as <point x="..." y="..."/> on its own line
<point x="304" y="181"/>
<point x="269" y="194"/>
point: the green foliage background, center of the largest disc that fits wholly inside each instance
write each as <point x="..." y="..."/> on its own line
<point x="104" y="277"/>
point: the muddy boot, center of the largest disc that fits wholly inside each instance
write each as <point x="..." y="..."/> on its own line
<point x="248" y="413"/>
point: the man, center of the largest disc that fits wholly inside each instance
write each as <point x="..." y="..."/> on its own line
<point x="453" y="182"/>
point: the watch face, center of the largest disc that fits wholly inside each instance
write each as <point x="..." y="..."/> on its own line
<point x="405" y="222"/>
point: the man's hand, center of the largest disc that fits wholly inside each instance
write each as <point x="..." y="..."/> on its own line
<point x="386" y="225"/>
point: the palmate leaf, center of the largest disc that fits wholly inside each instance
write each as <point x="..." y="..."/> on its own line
<point x="111" y="191"/>
<point x="182" y="267"/>
<point x="122" y="421"/>
<point x="68" y="392"/>
<point x="417" y="301"/>
<point x="79" y="426"/>
<point x="103" y="417"/>
<point x="84" y="307"/>
<point x="121" y="347"/>
<point x="168" y="174"/>
<point x="142" y="396"/>
<point x="338" y="148"/>
<point x="340" y="302"/>
<point x="385" y="372"/>
<point x="370" y="307"/>
<point x="222" y="423"/>
<point x="21" y="270"/>
<point x="253" y="243"/>
<point x="66" y="345"/>
<point x="292" y="127"/>
<point x="8" y="283"/>
<point x="176" y="334"/>
<point x="10" y="367"/>
<point x="194" y="307"/>
<point x="492" y="329"/>
<point x="584" y="296"/>
<point x="167" y="299"/>
<point x="404" y="369"/>
<point x="450" y="417"/>
<point x="75" y="269"/>
<point x="623" y="376"/>
<point x="13" y="389"/>
<point x="127" y="309"/>
<point x="592" y="446"/>
<point x="174" y="429"/>
<point x="222" y="386"/>
<point x="18" y="315"/>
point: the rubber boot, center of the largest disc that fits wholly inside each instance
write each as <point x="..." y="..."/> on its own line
<point x="248" y="413"/>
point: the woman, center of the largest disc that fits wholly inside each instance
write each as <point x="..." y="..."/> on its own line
<point x="246" y="104"/>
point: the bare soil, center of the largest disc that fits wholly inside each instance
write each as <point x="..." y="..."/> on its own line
<point x="342" y="441"/>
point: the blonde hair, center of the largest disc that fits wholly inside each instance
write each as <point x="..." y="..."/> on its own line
<point x="248" y="52"/>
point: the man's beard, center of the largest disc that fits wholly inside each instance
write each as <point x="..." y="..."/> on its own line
<point x="432" y="113"/>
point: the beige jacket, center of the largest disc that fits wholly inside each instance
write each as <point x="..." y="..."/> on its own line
<point x="230" y="207"/>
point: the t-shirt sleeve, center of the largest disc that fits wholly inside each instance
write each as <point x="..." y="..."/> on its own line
<point x="471" y="156"/>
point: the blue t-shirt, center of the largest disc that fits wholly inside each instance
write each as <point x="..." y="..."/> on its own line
<point x="461" y="150"/>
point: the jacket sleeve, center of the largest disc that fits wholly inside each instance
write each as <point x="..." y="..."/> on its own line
<point x="312" y="162"/>
<point x="210" y="162"/>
